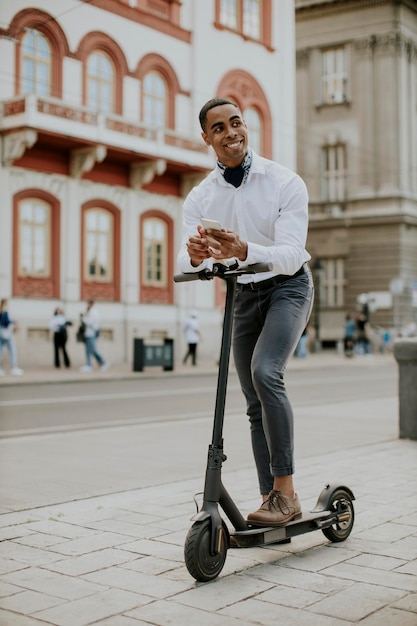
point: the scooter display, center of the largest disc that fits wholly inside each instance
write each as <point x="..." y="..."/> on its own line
<point x="209" y="537"/>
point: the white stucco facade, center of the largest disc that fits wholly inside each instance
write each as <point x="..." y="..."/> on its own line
<point x="35" y="128"/>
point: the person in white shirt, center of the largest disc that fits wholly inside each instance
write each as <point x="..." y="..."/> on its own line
<point x="192" y="335"/>
<point x="91" y="334"/>
<point x="263" y="208"/>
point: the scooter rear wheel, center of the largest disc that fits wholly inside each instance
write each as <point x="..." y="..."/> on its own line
<point x="341" y="504"/>
<point x="200" y="562"/>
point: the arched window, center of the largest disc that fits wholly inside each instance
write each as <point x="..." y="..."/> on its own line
<point x="36" y="244"/>
<point x="100" y="251"/>
<point x="156" y="260"/>
<point x="36" y="64"/>
<point x="154" y="100"/>
<point x="159" y="88"/>
<point x="254" y="124"/>
<point x="34" y="257"/>
<point x="98" y="248"/>
<point x="244" y="89"/>
<point x="154" y="247"/>
<point x="42" y="46"/>
<point x="100" y="83"/>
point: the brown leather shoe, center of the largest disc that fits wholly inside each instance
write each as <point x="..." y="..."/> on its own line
<point x="277" y="510"/>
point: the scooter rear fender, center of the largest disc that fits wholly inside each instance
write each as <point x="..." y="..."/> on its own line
<point x="325" y="498"/>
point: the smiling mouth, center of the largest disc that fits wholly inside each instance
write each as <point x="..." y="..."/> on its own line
<point x="234" y="144"/>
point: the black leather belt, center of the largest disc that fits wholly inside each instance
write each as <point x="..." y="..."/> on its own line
<point x="275" y="280"/>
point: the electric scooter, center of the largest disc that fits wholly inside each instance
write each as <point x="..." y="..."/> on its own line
<point x="209" y="537"/>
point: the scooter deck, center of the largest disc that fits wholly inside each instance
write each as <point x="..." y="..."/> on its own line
<point x="257" y="536"/>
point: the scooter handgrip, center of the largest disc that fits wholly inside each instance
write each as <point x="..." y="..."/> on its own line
<point x="182" y="278"/>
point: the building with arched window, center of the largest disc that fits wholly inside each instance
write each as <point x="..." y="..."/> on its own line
<point x="101" y="143"/>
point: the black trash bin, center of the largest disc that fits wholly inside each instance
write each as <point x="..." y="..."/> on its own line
<point x="150" y="355"/>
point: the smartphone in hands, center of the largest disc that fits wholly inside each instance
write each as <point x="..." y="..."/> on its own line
<point x="211" y="224"/>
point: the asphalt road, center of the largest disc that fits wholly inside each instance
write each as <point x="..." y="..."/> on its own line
<point x="62" y="442"/>
<point x="54" y="407"/>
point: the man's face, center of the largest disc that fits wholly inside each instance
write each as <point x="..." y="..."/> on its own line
<point x="227" y="134"/>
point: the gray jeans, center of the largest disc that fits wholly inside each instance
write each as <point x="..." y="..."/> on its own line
<point x="268" y="324"/>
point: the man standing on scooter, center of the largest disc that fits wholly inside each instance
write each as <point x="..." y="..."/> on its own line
<point x="263" y="209"/>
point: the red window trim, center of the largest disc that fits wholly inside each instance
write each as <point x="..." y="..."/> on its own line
<point x="31" y="286"/>
<point x="156" y="63"/>
<point x="157" y="295"/>
<point x="142" y="16"/>
<point x="91" y="290"/>
<point x="266" y="24"/>
<point x="45" y="24"/>
<point x="95" y="41"/>
<point x="245" y="90"/>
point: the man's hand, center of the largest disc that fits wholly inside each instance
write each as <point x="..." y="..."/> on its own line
<point x="198" y="247"/>
<point x="223" y="244"/>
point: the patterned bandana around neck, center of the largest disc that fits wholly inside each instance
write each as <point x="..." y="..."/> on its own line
<point x="237" y="175"/>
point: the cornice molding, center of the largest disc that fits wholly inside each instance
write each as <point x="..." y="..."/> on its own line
<point x="311" y="9"/>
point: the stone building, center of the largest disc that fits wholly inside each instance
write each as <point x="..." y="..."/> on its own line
<point x="100" y="142"/>
<point x="357" y="151"/>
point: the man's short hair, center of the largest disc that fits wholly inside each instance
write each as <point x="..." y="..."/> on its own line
<point x="214" y="102"/>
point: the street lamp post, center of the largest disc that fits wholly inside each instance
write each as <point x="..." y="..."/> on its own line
<point x="317" y="268"/>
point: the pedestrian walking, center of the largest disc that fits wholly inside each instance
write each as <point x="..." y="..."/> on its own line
<point x="363" y="345"/>
<point x="7" y="328"/>
<point x="192" y="336"/>
<point x="91" y="322"/>
<point x="263" y="209"/>
<point x="349" y="335"/>
<point x="58" y="325"/>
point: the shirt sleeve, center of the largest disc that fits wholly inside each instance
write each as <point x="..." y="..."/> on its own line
<point x="287" y="254"/>
<point x="191" y="219"/>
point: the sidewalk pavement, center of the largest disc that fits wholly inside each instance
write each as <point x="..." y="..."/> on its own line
<point x="117" y="560"/>
<point x="123" y="371"/>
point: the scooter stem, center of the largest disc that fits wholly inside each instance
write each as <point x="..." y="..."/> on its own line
<point x="217" y="439"/>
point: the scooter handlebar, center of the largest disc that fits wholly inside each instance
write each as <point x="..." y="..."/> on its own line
<point x="222" y="271"/>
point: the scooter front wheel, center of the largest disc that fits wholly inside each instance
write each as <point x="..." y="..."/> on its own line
<point x="200" y="562"/>
<point x="341" y="504"/>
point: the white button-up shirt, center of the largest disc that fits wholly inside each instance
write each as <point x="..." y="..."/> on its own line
<point x="269" y="212"/>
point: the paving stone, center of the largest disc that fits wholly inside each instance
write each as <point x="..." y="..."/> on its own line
<point x="254" y="611"/>
<point x="91" y="562"/>
<point x="318" y="558"/>
<point x="390" y="617"/>
<point x="8" y="590"/>
<point x="92" y="608"/>
<point x="168" y="613"/>
<point x="25" y="554"/>
<point x="378" y="562"/>
<point x="406" y="582"/>
<point x="408" y="603"/>
<point x="355" y="602"/>
<point x="84" y="545"/>
<point x="153" y="586"/>
<point x="298" y="579"/>
<point x="222" y="592"/>
<point x="55" y="584"/>
<point x="155" y="548"/>
<point x="28" y="602"/>
<point x="288" y="596"/>
<point x="7" y="618"/>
